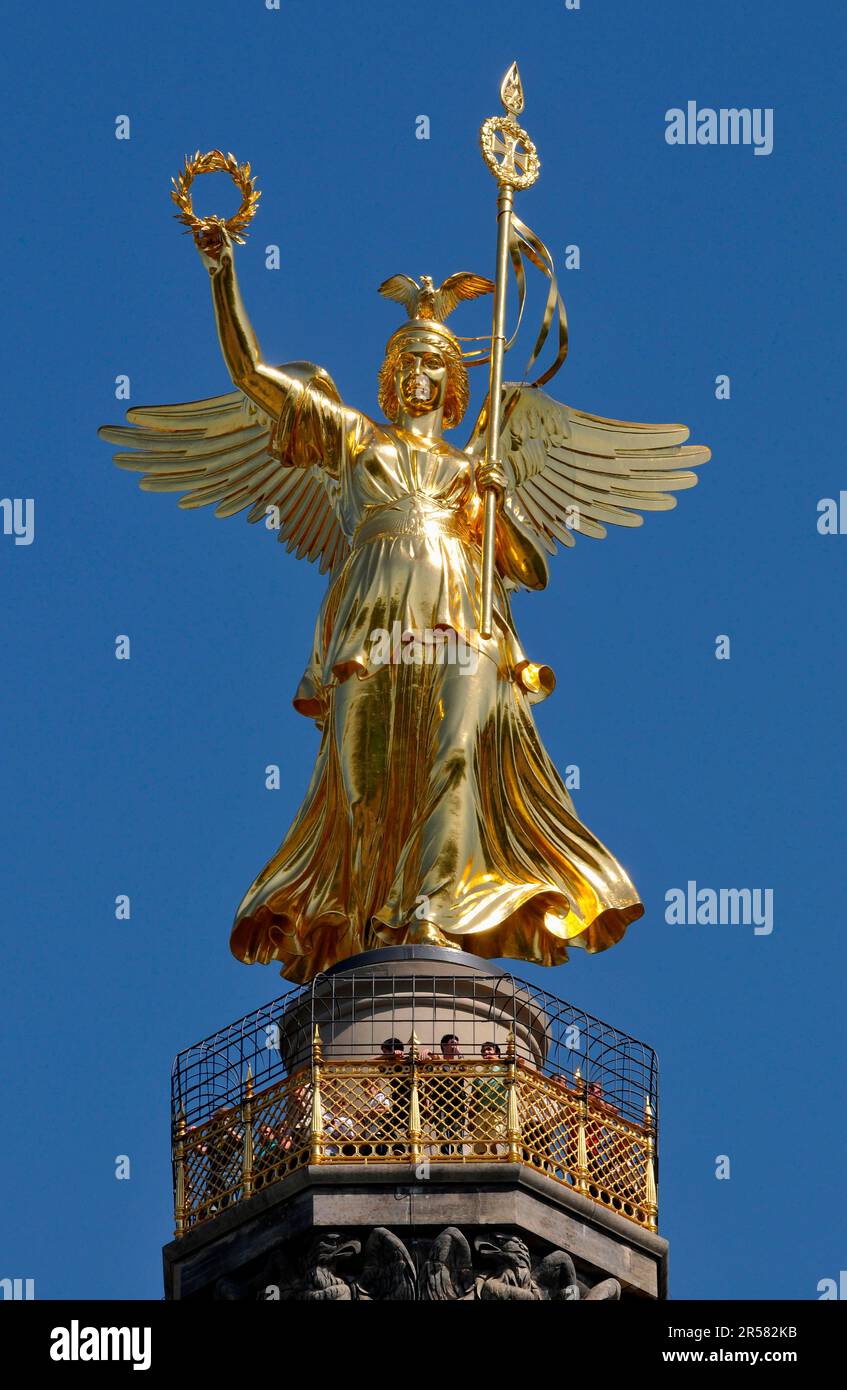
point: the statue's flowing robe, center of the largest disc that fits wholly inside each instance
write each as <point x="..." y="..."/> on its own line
<point x="434" y="814"/>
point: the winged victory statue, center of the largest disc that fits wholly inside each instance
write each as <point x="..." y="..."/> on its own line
<point x="434" y="814"/>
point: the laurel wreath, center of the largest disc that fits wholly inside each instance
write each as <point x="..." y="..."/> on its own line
<point x="505" y="126"/>
<point x="214" y="162"/>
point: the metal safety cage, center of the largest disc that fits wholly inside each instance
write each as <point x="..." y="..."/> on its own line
<point x="305" y="1080"/>
<point x="557" y="1038"/>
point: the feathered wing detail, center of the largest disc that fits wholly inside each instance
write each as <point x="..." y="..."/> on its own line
<point x="403" y="290"/>
<point x="574" y="472"/>
<point x="389" y="1270"/>
<point x="220" y="450"/>
<point x="463" y="285"/>
<point x="448" y="1273"/>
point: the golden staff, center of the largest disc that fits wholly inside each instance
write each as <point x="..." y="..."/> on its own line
<point x="513" y="160"/>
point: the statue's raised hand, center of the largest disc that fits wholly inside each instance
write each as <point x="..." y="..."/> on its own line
<point x="214" y="235"/>
<point x="214" y="244"/>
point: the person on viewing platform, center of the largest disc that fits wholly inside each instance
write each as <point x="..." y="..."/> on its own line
<point x="389" y="1101"/>
<point x="488" y="1097"/>
<point x="449" y="1096"/>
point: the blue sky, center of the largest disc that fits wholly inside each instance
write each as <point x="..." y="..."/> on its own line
<point x="146" y="777"/>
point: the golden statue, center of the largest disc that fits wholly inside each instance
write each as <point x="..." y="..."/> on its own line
<point x="434" y="814"/>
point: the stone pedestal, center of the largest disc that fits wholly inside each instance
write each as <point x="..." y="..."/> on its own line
<point x="310" y="1234"/>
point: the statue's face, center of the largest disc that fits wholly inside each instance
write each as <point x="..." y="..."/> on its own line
<point x="420" y="378"/>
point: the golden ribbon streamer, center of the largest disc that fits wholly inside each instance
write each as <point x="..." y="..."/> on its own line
<point x="524" y="245"/>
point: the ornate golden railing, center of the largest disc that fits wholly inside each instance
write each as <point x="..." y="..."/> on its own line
<point x="416" y="1112"/>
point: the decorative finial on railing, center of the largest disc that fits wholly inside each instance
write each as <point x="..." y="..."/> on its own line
<point x="513" y="1121"/>
<point x="651" y="1196"/>
<point x="414" y="1101"/>
<point x="180" y="1205"/>
<point x="317" y="1117"/>
<point x="247" y="1148"/>
<point x="581" y="1139"/>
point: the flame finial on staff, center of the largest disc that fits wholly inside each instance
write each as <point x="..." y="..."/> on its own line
<point x="513" y="160"/>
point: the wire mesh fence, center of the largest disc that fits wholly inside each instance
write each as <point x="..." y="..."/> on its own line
<point x="399" y="1068"/>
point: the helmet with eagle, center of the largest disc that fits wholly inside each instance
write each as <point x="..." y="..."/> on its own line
<point x="425" y="331"/>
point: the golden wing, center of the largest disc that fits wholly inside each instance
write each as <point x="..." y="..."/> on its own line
<point x="219" y="451"/>
<point x="571" y="471"/>
<point x="402" y="289"/>
<point x="463" y="285"/>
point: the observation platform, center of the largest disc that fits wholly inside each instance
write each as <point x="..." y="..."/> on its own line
<point x="416" y="1090"/>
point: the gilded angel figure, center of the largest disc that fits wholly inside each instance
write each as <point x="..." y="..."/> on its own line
<point x="434" y="814"/>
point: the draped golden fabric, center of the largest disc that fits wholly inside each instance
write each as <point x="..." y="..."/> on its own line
<point x="434" y="814"/>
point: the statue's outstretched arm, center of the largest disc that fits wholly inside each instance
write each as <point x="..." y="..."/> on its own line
<point x="281" y="393"/>
<point x="239" y="344"/>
